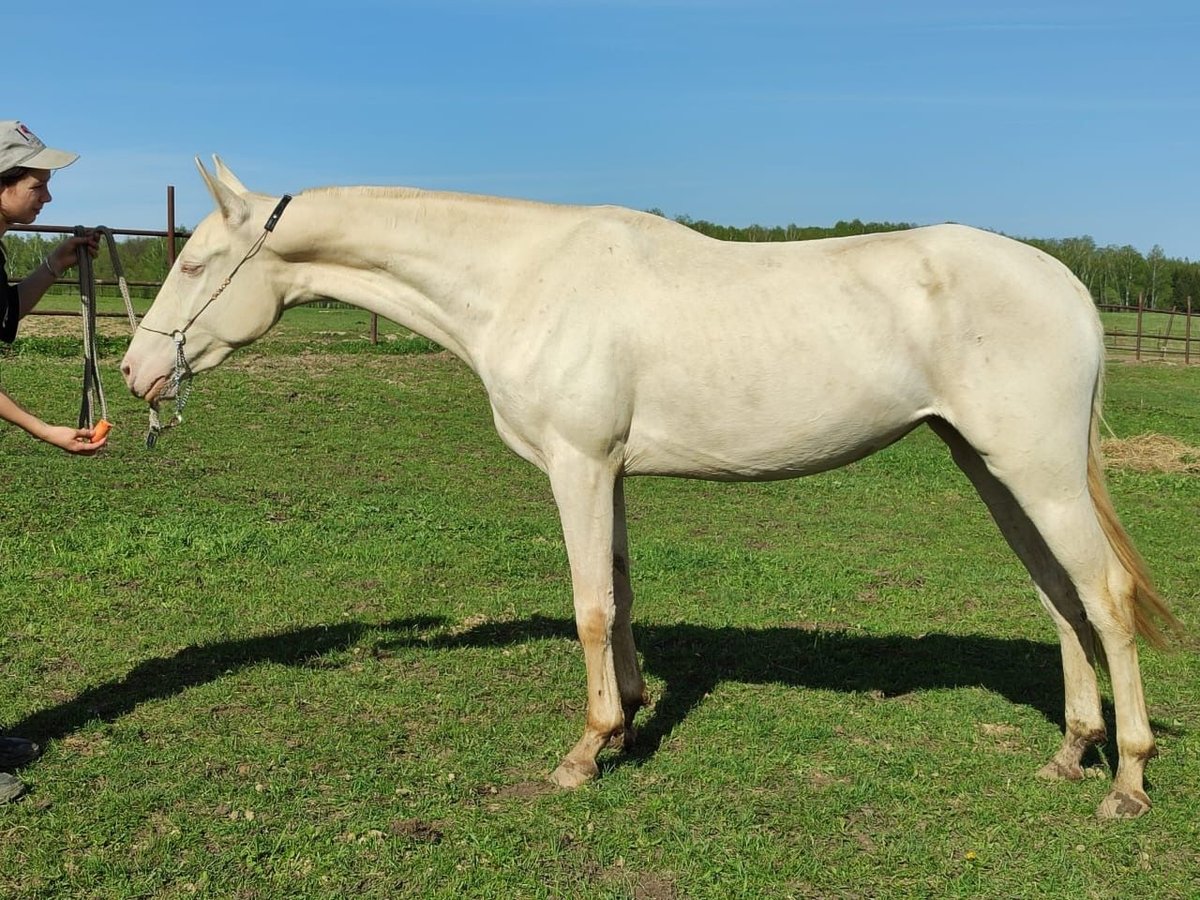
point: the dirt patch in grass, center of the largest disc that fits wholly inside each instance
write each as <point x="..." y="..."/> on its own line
<point x="390" y="369"/>
<point x="416" y="830"/>
<point x="1152" y="453"/>
<point x="42" y="325"/>
<point x="648" y="886"/>
<point x="525" y="790"/>
<point x="85" y="744"/>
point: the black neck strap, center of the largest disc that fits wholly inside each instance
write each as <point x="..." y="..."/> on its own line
<point x="278" y="211"/>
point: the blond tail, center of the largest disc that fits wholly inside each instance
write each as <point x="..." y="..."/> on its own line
<point x="1149" y="609"/>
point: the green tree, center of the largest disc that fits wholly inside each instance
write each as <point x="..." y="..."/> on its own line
<point x="1185" y="284"/>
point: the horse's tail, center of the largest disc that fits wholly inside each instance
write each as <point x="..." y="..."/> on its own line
<point x="1149" y="609"/>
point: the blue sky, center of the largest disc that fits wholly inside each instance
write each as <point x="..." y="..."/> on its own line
<point x="1043" y="119"/>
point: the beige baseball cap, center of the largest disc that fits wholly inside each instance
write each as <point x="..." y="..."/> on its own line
<point x="21" y="147"/>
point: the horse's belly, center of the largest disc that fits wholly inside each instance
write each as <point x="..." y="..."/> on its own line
<point x="756" y="445"/>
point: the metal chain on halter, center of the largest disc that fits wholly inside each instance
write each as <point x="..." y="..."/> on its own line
<point x="93" y="391"/>
<point x="178" y="386"/>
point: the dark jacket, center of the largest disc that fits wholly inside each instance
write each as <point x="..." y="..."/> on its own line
<point x="10" y="304"/>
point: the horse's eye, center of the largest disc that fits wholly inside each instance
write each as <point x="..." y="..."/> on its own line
<point x="188" y="268"/>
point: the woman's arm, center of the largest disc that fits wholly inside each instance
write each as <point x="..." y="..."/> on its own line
<point x="73" y="440"/>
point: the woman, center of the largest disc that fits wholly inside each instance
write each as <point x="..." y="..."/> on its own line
<point x="26" y="165"/>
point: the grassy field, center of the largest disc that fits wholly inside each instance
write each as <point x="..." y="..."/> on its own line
<point x="319" y="644"/>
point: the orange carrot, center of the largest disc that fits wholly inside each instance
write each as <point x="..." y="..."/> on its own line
<point x="100" y="430"/>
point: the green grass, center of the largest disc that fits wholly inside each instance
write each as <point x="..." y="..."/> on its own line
<point x="318" y="644"/>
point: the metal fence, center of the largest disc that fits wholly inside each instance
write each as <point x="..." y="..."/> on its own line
<point x="171" y="233"/>
<point x="171" y="230"/>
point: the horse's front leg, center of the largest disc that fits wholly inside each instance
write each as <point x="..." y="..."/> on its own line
<point x="629" y="674"/>
<point x="583" y="489"/>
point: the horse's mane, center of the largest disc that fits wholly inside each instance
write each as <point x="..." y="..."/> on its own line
<point x="502" y="206"/>
<point x="411" y="193"/>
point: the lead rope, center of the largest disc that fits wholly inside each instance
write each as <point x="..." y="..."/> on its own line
<point x="93" y="391"/>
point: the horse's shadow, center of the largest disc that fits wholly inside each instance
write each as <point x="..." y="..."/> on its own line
<point x="693" y="660"/>
<point x="690" y="660"/>
<point x="163" y="677"/>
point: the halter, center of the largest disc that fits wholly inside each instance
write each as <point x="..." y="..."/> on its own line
<point x="179" y="385"/>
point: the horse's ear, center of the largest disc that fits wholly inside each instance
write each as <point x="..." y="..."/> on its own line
<point x="234" y="209"/>
<point x="225" y="176"/>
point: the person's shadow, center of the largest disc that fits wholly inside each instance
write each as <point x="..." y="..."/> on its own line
<point x="690" y="660"/>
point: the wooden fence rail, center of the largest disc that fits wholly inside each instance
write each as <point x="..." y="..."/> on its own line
<point x="1144" y="334"/>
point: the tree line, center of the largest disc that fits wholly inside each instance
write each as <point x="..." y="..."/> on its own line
<point x="142" y="259"/>
<point x="1115" y="275"/>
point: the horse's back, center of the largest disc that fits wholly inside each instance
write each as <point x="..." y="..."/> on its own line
<point x="731" y="360"/>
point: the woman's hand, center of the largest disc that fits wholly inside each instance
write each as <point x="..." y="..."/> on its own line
<point x="73" y="440"/>
<point x="66" y="254"/>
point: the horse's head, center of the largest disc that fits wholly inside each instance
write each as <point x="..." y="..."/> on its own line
<point x="225" y="290"/>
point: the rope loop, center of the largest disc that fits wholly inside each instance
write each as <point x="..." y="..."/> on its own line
<point x="93" y="401"/>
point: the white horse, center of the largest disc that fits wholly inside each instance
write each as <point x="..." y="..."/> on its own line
<point x="615" y="343"/>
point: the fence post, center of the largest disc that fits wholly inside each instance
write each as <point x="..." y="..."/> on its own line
<point x="1187" y="334"/>
<point x="1137" y="345"/>
<point x="170" y="225"/>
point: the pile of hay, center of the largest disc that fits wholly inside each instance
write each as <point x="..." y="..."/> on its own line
<point x="1152" y="453"/>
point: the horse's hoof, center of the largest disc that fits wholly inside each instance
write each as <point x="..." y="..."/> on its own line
<point x="1056" y="771"/>
<point x="622" y="740"/>
<point x="1123" y="805"/>
<point x="572" y="774"/>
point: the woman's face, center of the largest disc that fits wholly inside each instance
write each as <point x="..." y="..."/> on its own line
<point x="22" y="201"/>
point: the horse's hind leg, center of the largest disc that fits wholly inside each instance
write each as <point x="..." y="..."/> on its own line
<point x="1047" y="515"/>
<point x="1083" y="719"/>
<point x="1107" y="592"/>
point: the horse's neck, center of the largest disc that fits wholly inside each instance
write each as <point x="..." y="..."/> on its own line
<point x="438" y="264"/>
